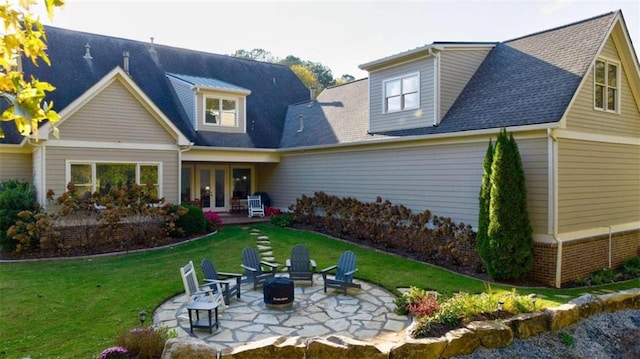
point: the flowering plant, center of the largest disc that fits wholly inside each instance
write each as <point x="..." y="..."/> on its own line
<point x="214" y="222"/>
<point x="114" y="353"/>
<point x="273" y="211"/>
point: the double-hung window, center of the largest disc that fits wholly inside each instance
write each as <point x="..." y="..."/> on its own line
<point x="104" y="176"/>
<point x="220" y="111"/>
<point x="606" y="86"/>
<point x="402" y="93"/>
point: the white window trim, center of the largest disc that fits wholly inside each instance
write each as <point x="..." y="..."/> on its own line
<point x="93" y="171"/>
<point x="220" y="98"/>
<point x="400" y="77"/>
<point x="607" y="61"/>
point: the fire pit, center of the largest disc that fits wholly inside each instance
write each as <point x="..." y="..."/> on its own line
<point x="278" y="292"/>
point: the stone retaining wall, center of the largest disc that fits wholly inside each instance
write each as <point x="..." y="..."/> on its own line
<point x="489" y="334"/>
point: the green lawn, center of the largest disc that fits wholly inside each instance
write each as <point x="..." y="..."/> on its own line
<point x="73" y="308"/>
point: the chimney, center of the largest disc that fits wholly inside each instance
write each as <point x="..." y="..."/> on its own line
<point x="87" y="52"/>
<point x="125" y="56"/>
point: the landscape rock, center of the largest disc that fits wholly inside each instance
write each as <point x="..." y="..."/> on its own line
<point x="492" y="333"/>
<point x="587" y="304"/>
<point x="342" y="347"/>
<point x="425" y="348"/>
<point x="274" y="347"/>
<point x="562" y="316"/>
<point x="188" y="348"/>
<point x="527" y="325"/>
<point x="460" y="341"/>
<point x="628" y="299"/>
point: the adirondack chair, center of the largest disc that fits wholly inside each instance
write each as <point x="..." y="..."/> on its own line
<point x="253" y="267"/>
<point x="344" y="273"/>
<point x="196" y="292"/>
<point x="224" y="280"/>
<point x="300" y="266"/>
<point x="255" y="206"/>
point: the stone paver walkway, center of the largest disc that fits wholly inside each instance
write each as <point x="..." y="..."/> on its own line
<point x="362" y="314"/>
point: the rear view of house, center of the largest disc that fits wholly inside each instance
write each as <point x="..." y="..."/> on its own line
<point x="212" y="129"/>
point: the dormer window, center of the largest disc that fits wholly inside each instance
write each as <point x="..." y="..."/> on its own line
<point x="402" y="93"/>
<point x="220" y="111"/>
<point x="606" y="86"/>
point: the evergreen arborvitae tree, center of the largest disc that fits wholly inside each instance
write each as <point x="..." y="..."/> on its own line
<point x="510" y="233"/>
<point x="482" y="238"/>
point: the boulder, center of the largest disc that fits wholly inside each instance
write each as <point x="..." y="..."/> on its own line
<point x="562" y="316"/>
<point x="527" y="325"/>
<point x="460" y="342"/>
<point x="425" y="348"/>
<point x="342" y="347"/>
<point x="626" y="299"/>
<point x="274" y="347"/>
<point x="492" y="333"/>
<point x="187" y="348"/>
<point x="587" y="304"/>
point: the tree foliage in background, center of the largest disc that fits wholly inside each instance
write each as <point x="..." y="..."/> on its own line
<point x="322" y="75"/>
<point x="23" y="36"/>
<point x="510" y="236"/>
<point x="482" y="238"/>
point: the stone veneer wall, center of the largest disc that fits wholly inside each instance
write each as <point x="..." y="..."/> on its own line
<point x="583" y="256"/>
<point x="489" y="334"/>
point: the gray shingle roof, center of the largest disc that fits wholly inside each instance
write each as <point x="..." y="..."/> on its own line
<point x="273" y="87"/>
<point x="209" y="83"/>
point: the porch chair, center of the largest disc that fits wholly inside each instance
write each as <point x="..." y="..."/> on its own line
<point x="344" y="273"/>
<point x="221" y="279"/>
<point x="300" y="266"/>
<point x="196" y="292"/>
<point x="253" y="267"/>
<point x="255" y="206"/>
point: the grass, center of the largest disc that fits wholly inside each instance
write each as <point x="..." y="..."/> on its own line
<point x="74" y="308"/>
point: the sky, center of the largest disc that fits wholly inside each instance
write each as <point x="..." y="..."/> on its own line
<point x="338" y="34"/>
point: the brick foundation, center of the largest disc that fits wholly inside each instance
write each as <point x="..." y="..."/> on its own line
<point x="583" y="256"/>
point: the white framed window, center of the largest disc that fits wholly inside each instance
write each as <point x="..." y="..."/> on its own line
<point x="103" y="176"/>
<point x="606" y="86"/>
<point x="402" y="93"/>
<point x="220" y="111"/>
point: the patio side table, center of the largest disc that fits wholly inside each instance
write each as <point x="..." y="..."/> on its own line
<point x="203" y="323"/>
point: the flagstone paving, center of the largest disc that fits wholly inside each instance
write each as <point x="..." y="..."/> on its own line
<point x="362" y="314"/>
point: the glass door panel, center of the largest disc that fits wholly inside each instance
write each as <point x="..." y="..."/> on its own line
<point x="212" y="182"/>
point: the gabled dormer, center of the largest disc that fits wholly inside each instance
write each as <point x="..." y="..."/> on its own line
<point x="416" y="88"/>
<point x="211" y="104"/>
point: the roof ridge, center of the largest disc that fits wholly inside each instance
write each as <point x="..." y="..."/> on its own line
<point x="564" y="26"/>
<point x="161" y="45"/>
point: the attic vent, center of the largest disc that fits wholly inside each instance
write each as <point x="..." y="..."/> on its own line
<point x="151" y="40"/>
<point x="125" y="56"/>
<point x="300" y="118"/>
<point x="87" y="52"/>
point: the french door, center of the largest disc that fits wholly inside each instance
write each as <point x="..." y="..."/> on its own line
<point x="213" y="186"/>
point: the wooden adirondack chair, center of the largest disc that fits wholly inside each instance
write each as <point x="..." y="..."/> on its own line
<point x="300" y="266"/>
<point x="253" y="267"/>
<point x="224" y="280"/>
<point x="196" y="292"/>
<point x="344" y="273"/>
<point x="255" y="206"/>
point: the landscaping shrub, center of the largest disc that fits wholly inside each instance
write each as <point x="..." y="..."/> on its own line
<point x="145" y="342"/>
<point x="509" y="235"/>
<point x="484" y="200"/>
<point x="15" y="196"/>
<point x="214" y="221"/>
<point x="393" y="228"/>
<point x="193" y="221"/>
<point x="632" y="267"/>
<point x="282" y="220"/>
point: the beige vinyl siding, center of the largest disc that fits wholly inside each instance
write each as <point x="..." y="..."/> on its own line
<point x="457" y="66"/>
<point x="57" y="158"/>
<point x="424" y="116"/>
<point x="240" y="103"/>
<point x="444" y="179"/>
<point x="15" y="165"/>
<point x="184" y="91"/>
<point x="583" y="117"/>
<point x="598" y="184"/>
<point x="114" y="115"/>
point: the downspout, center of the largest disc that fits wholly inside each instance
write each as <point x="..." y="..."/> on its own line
<point x="553" y="180"/>
<point x="609" y="226"/>
<point x="41" y="192"/>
